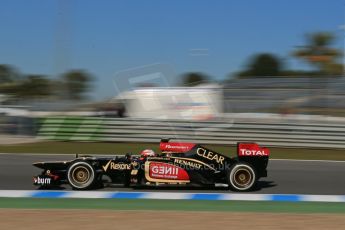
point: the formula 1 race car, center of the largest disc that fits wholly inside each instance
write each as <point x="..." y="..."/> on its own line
<point x="179" y="164"/>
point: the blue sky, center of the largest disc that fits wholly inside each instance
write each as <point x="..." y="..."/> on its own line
<point x="108" y="36"/>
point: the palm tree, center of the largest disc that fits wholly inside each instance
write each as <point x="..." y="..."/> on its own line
<point x="194" y="78"/>
<point x="34" y="86"/>
<point x="76" y="83"/>
<point x="9" y="79"/>
<point x="319" y="53"/>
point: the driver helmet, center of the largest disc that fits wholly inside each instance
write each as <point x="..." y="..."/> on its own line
<point x="148" y="153"/>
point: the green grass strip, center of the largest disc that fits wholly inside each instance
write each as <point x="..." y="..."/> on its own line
<point x="172" y="205"/>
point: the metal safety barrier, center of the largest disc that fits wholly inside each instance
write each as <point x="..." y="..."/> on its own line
<point x="225" y="132"/>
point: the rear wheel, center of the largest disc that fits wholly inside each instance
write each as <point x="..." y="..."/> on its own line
<point x="242" y="177"/>
<point x="81" y="175"/>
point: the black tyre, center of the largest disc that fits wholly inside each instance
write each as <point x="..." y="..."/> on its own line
<point x="241" y="177"/>
<point x="81" y="175"/>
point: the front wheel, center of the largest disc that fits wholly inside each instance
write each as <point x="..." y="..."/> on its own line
<point x="241" y="177"/>
<point x="81" y="175"/>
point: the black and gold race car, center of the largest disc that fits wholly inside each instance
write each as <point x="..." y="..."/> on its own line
<point x="178" y="164"/>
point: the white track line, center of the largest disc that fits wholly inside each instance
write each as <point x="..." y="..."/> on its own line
<point x="330" y="161"/>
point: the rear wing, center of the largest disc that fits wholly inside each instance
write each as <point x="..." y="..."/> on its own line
<point x="255" y="155"/>
<point x="245" y="149"/>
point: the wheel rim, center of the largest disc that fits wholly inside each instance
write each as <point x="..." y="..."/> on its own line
<point x="242" y="178"/>
<point x="81" y="174"/>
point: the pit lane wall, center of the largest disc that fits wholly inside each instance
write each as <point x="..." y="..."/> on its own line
<point x="268" y="131"/>
<point x="171" y="196"/>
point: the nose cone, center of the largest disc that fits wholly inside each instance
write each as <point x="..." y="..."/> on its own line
<point x="39" y="165"/>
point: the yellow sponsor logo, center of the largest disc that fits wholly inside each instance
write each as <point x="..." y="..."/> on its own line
<point x="116" y="166"/>
<point x="210" y="155"/>
<point x="134" y="172"/>
<point x="188" y="163"/>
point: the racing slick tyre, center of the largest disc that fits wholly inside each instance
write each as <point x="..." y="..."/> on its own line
<point x="81" y="175"/>
<point x="241" y="177"/>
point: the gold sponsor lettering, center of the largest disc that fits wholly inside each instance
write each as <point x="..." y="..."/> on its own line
<point x="120" y="166"/>
<point x="188" y="163"/>
<point x="113" y="166"/>
<point x="210" y="155"/>
<point x="134" y="172"/>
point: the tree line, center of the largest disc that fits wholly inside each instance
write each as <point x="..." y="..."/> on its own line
<point x="317" y="51"/>
<point x="72" y="85"/>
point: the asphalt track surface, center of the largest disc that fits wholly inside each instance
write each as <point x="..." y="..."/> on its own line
<point x="284" y="176"/>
